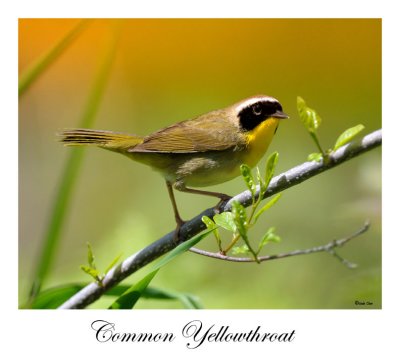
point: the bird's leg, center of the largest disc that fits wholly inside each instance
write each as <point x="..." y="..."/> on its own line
<point x="181" y="187"/>
<point x="178" y="219"/>
<point x="219" y="195"/>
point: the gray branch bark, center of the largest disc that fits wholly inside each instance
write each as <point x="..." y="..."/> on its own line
<point x="288" y="179"/>
<point x="329" y="248"/>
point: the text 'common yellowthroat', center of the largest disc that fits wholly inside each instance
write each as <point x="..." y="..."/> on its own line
<point x="198" y="152"/>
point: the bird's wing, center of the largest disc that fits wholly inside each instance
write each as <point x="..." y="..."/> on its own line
<point x="196" y="135"/>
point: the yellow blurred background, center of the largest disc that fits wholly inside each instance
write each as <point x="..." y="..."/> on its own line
<point x="168" y="70"/>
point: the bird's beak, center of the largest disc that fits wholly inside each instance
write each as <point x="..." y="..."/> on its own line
<point x="280" y="115"/>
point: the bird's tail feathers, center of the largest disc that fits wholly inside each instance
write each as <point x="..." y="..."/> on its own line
<point x="99" y="138"/>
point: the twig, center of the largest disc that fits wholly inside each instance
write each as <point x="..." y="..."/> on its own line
<point x="288" y="179"/>
<point x="330" y="248"/>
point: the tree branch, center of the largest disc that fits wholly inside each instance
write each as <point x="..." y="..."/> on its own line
<point x="329" y="248"/>
<point x="288" y="179"/>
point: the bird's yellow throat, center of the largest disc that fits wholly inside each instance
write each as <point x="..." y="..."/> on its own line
<point x="259" y="139"/>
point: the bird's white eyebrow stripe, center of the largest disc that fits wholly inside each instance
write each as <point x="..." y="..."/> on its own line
<point x="252" y="100"/>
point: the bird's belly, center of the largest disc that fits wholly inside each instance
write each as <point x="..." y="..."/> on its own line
<point x="194" y="169"/>
<point x="204" y="171"/>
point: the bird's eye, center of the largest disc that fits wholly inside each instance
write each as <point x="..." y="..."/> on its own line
<point x="257" y="109"/>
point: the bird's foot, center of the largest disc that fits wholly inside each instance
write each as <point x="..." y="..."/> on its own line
<point x="221" y="204"/>
<point x="177" y="233"/>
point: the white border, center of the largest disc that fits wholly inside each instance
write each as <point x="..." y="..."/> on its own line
<point x="322" y="336"/>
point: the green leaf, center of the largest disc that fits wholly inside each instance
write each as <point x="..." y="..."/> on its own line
<point x="90" y="256"/>
<point x="240" y="219"/>
<point x="301" y="106"/>
<point x="270" y="168"/>
<point x="243" y="249"/>
<point x="308" y="116"/>
<point x="348" y="135"/>
<point x="241" y="223"/>
<point x="113" y="262"/>
<point x="208" y="222"/>
<point x="268" y="205"/>
<point x="314" y="157"/>
<point x="211" y="226"/>
<point x="226" y="221"/>
<point x="261" y="182"/>
<point x="129" y="298"/>
<point x="91" y="271"/>
<point x="248" y="179"/>
<point x="269" y="237"/>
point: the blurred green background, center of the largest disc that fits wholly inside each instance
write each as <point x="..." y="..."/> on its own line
<point x="168" y="70"/>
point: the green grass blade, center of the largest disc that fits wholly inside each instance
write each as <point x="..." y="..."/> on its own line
<point x="141" y="289"/>
<point x="189" y="301"/>
<point x="69" y="175"/>
<point x="186" y="299"/>
<point x="181" y="248"/>
<point x="129" y="298"/>
<point x="158" y="294"/>
<point x="43" y="62"/>
<point x="54" y="297"/>
<point x="194" y="302"/>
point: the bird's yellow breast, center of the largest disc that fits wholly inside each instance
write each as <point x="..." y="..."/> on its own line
<point x="259" y="140"/>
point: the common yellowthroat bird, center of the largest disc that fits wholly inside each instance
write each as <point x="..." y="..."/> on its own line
<point x="198" y="152"/>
